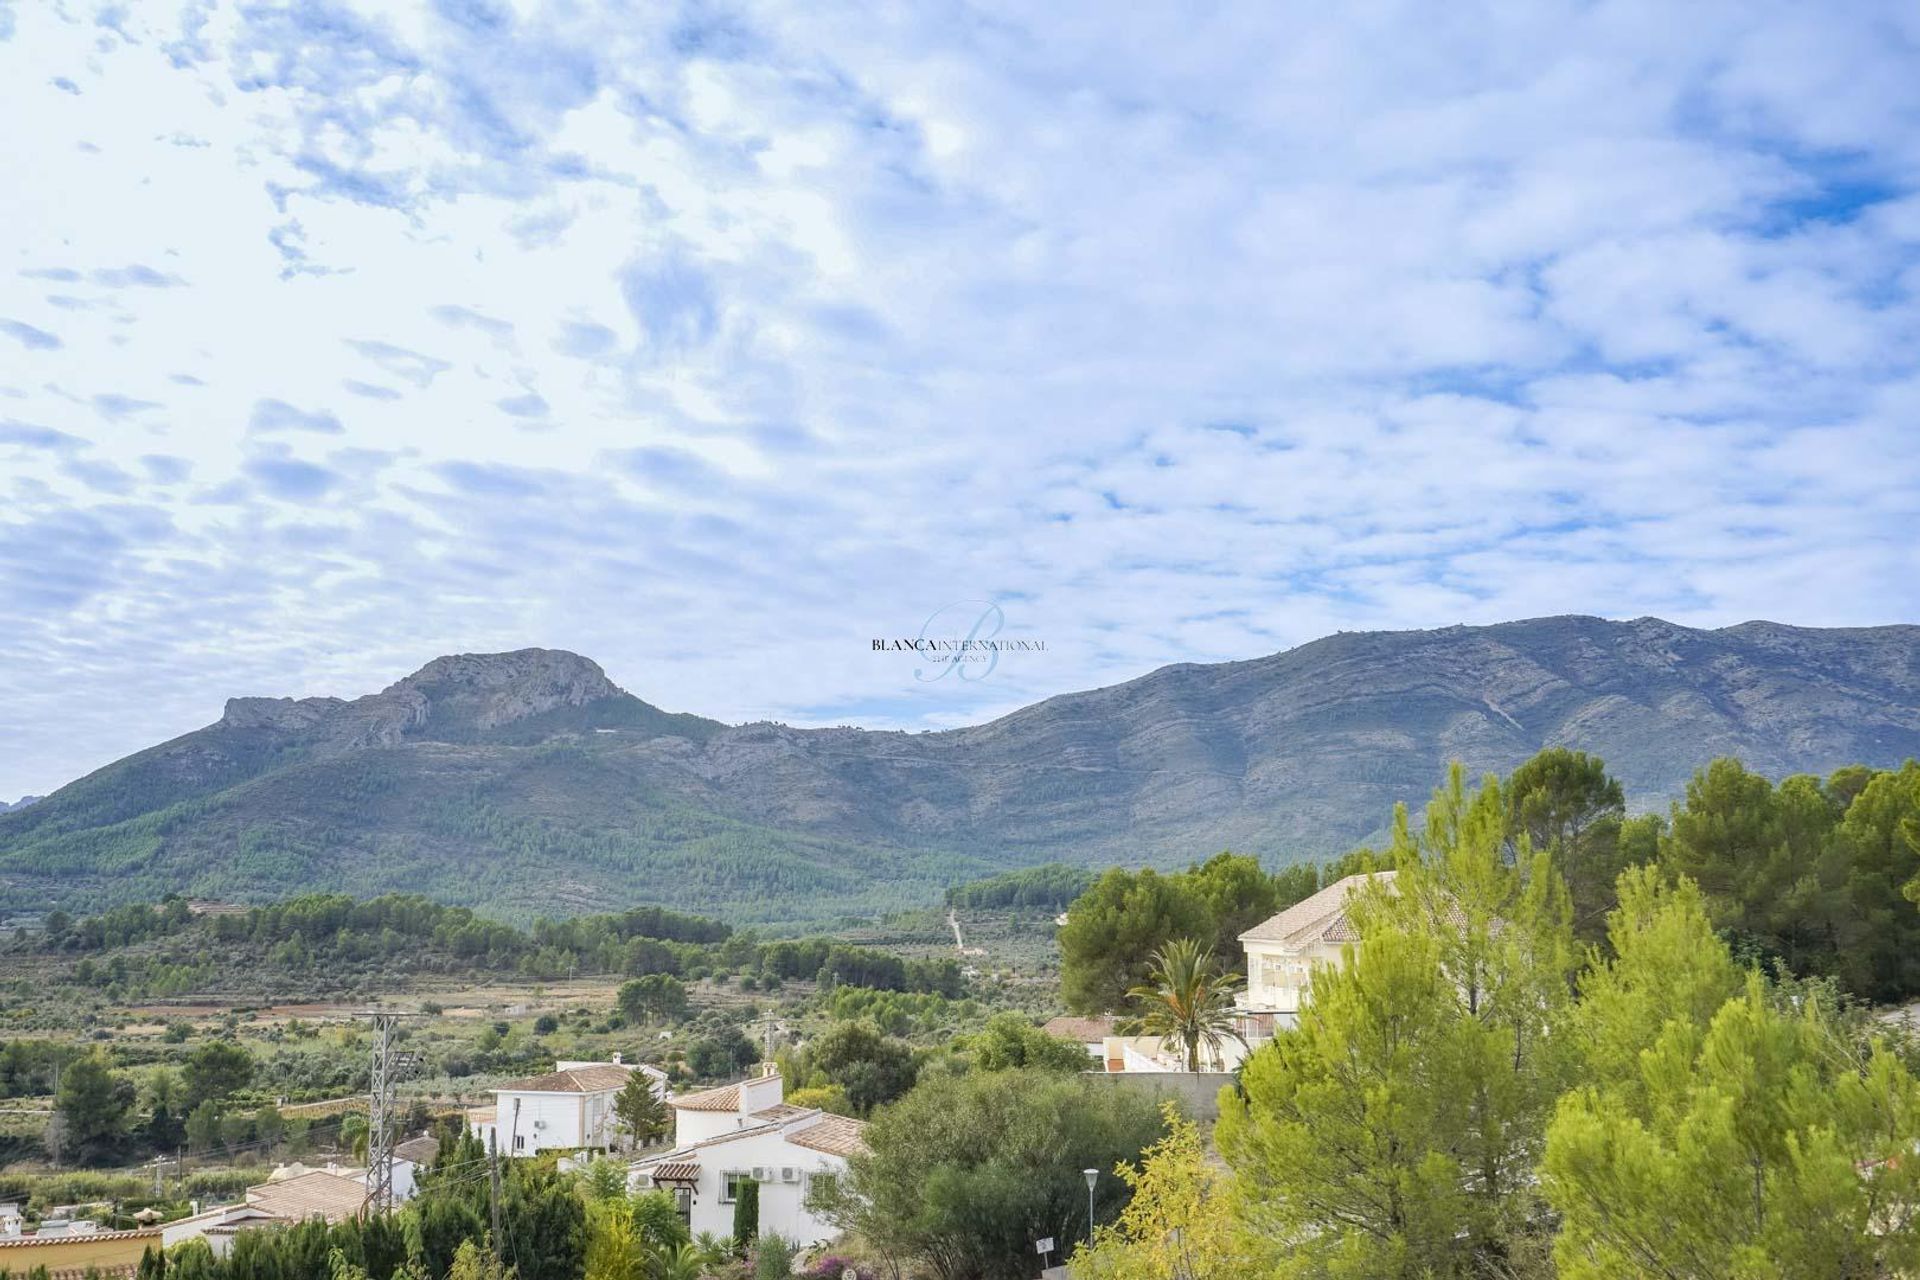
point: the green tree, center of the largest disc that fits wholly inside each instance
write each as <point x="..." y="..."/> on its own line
<point x="93" y="1103"/>
<point x="641" y="1111"/>
<point x="1875" y="932"/>
<point x="614" y="1248"/>
<point x="871" y="1067"/>
<point x="1566" y="803"/>
<point x="1237" y="895"/>
<point x="203" y="1127"/>
<point x="603" y="1179"/>
<point x="655" y="997"/>
<point x="1395" y="1131"/>
<point x="269" y="1126"/>
<point x="1761" y="1145"/>
<point x="746" y="1213"/>
<point x="216" y="1071"/>
<point x="1009" y="1040"/>
<point x="473" y="1262"/>
<point x="826" y="1097"/>
<point x="1188" y="1002"/>
<point x="1114" y="928"/>
<point x="963" y="1174"/>
<point x="721" y="1055"/>
<point x="657" y="1218"/>
<point x="542" y="1210"/>
<point x="1180" y="1223"/>
<point x="1668" y="968"/>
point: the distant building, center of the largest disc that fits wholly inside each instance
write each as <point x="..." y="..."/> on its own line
<point x="319" y="1193"/>
<point x="568" y="1109"/>
<point x="745" y="1132"/>
<point x="1282" y="952"/>
<point x="1088" y="1033"/>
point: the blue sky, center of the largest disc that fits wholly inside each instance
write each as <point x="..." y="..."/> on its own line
<point x="715" y="341"/>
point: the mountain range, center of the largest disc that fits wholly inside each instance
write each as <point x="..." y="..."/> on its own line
<point x="528" y="782"/>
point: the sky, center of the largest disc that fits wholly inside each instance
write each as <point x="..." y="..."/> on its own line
<point x="718" y="341"/>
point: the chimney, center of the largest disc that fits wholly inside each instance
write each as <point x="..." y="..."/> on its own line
<point x="616" y="1057"/>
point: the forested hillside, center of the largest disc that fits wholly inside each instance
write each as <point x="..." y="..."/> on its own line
<point x="529" y="783"/>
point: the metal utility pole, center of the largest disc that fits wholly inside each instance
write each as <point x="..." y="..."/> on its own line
<point x="380" y="1118"/>
<point x="383" y="1109"/>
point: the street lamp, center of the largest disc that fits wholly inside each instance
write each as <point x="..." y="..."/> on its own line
<point x="1092" y="1176"/>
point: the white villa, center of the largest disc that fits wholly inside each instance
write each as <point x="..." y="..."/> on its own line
<point x="568" y="1109"/>
<point x="1282" y="951"/>
<point x="745" y="1132"/>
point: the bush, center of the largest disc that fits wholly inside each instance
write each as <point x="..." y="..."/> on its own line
<point x="773" y="1258"/>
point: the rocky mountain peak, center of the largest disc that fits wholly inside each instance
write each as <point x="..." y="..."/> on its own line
<point x="485" y="690"/>
<point x="460" y="692"/>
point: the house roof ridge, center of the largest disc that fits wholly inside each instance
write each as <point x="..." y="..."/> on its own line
<point x="1316" y="909"/>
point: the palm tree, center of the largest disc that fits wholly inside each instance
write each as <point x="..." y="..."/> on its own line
<point x="678" y="1262"/>
<point x="1189" y="1002"/>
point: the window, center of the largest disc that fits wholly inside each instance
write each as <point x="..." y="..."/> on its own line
<point x="821" y="1186"/>
<point x="731" y="1183"/>
<point x="519" y="1142"/>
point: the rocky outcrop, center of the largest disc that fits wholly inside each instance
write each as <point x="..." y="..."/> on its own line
<point x="463" y="693"/>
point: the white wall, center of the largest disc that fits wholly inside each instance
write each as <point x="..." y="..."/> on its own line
<point x="782" y="1204"/>
<point x="547" y="1122"/>
<point x="757" y="1094"/>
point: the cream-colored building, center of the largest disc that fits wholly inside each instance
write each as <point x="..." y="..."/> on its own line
<point x="1282" y="952"/>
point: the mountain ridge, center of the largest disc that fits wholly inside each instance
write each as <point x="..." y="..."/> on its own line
<point x="530" y="778"/>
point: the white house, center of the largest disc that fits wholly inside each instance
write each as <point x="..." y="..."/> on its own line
<point x="567" y="1109"/>
<point x="745" y="1132"/>
<point x="409" y="1158"/>
<point x="1282" y="952"/>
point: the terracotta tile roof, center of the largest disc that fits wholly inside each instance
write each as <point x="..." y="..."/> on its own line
<point x="594" y="1079"/>
<point x="834" y="1135"/>
<point x="1082" y="1030"/>
<point x="779" y="1111"/>
<point x="725" y="1098"/>
<point x="483" y="1115"/>
<point x="15" y="1242"/>
<point x="675" y="1171"/>
<point x="1322" y="917"/>
<point x="317" y="1194"/>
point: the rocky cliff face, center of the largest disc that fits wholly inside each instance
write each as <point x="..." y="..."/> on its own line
<point x="1298" y="754"/>
<point x="460" y="694"/>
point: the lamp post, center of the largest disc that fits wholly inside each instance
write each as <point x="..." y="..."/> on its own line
<point x="1092" y="1176"/>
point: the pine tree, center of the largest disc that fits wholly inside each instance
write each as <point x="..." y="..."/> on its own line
<point x="1729" y="1134"/>
<point x="1395" y="1131"/>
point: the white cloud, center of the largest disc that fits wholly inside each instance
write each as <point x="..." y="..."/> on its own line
<point x="713" y="344"/>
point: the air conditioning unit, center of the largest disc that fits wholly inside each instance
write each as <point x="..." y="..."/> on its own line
<point x="789" y="1174"/>
<point x="539" y="1124"/>
<point x="762" y="1174"/>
